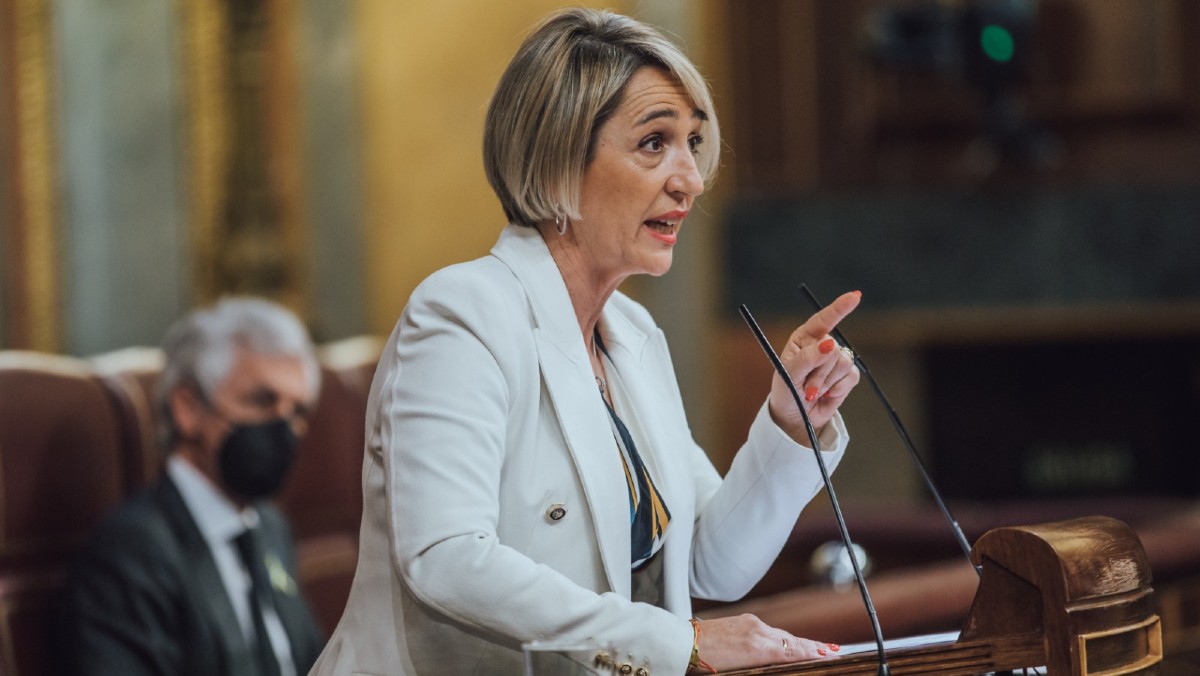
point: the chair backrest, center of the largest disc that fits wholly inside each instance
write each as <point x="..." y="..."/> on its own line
<point x="27" y="602"/>
<point x="324" y="493"/>
<point x="129" y="376"/>
<point x="323" y="497"/>
<point x="354" y="358"/>
<point x="61" y="470"/>
<point x="60" y="456"/>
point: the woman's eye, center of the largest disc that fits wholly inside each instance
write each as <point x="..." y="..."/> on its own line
<point x="653" y="143"/>
<point x="694" y="143"/>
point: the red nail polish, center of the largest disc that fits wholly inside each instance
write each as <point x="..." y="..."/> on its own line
<point x="821" y="652"/>
<point x="826" y="346"/>
<point x="810" y="394"/>
<point x="834" y="647"/>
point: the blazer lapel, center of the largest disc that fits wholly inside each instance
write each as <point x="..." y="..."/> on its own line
<point x="568" y="377"/>
<point x="644" y="365"/>
<point x="589" y="438"/>
<point x="640" y="359"/>
<point x="291" y="608"/>
<point x="208" y="587"/>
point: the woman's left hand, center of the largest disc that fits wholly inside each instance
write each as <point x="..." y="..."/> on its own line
<point x="823" y="374"/>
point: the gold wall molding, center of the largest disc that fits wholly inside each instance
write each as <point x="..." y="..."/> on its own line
<point x="286" y="149"/>
<point x="205" y="30"/>
<point x="244" y="157"/>
<point x="33" y="319"/>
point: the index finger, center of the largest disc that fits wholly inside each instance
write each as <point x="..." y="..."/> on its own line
<point x="827" y="318"/>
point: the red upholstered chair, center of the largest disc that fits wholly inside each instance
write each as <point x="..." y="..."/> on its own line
<point x="323" y="496"/>
<point x="326" y="566"/>
<point x="26" y="609"/>
<point x="324" y="493"/>
<point x="60" y="471"/>
<point x="60" y="456"/>
<point x="129" y="376"/>
<point x="354" y="359"/>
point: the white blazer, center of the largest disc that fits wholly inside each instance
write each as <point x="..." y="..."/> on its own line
<point x="483" y="419"/>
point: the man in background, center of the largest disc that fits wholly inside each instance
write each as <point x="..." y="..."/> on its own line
<point x="196" y="574"/>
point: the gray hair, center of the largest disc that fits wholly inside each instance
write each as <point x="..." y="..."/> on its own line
<point x="565" y="81"/>
<point x="200" y="349"/>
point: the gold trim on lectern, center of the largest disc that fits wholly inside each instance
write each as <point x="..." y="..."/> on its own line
<point x="1152" y="626"/>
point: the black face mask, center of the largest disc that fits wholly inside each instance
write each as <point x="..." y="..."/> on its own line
<point x="256" y="457"/>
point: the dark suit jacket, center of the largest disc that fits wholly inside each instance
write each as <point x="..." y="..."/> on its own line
<point x="146" y="598"/>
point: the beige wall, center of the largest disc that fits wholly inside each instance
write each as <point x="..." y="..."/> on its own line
<point x="428" y="70"/>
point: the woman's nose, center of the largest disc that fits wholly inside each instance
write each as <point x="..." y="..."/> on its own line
<point x="686" y="177"/>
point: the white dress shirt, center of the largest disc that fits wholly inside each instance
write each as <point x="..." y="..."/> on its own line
<point x="220" y="523"/>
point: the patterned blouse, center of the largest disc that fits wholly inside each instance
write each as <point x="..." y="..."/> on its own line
<point x="648" y="514"/>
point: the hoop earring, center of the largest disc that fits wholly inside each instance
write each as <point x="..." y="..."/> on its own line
<point x="561" y="223"/>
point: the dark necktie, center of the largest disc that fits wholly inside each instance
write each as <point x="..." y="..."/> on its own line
<point x="249" y="545"/>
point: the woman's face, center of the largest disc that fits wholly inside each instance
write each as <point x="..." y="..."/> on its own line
<point x="642" y="179"/>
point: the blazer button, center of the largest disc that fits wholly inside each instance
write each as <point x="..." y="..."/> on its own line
<point x="556" y="511"/>
<point x="641" y="672"/>
<point x="626" y="669"/>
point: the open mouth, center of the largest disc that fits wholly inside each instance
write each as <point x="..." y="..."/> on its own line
<point x="663" y="227"/>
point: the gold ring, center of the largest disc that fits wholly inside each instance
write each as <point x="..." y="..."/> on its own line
<point x="848" y="352"/>
<point x="785" y="646"/>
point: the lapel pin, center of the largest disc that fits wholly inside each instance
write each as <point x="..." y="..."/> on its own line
<point x="280" y="579"/>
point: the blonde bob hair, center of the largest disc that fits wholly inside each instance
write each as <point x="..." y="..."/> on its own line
<point x="565" y="81"/>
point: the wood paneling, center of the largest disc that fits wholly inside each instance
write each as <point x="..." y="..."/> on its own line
<point x="1109" y="89"/>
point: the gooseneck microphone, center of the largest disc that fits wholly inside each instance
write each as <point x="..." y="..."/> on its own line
<point x="912" y="450"/>
<point x="884" y="670"/>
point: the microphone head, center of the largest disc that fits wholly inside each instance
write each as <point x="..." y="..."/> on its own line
<point x="830" y="564"/>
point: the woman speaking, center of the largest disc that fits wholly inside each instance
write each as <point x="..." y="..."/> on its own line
<point x="529" y="473"/>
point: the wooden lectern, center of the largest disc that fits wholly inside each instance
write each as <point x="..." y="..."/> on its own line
<point x="1071" y="598"/>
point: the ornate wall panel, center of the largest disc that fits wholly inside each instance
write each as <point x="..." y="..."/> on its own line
<point x="27" y="94"/>
<point x="244" y="161"/>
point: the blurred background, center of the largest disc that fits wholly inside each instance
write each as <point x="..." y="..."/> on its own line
<point x="1014" y="185"/>
<point x="1011" y="183"/>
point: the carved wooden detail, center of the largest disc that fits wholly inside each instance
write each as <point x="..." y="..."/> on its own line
<point x="1072" y="596"/>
